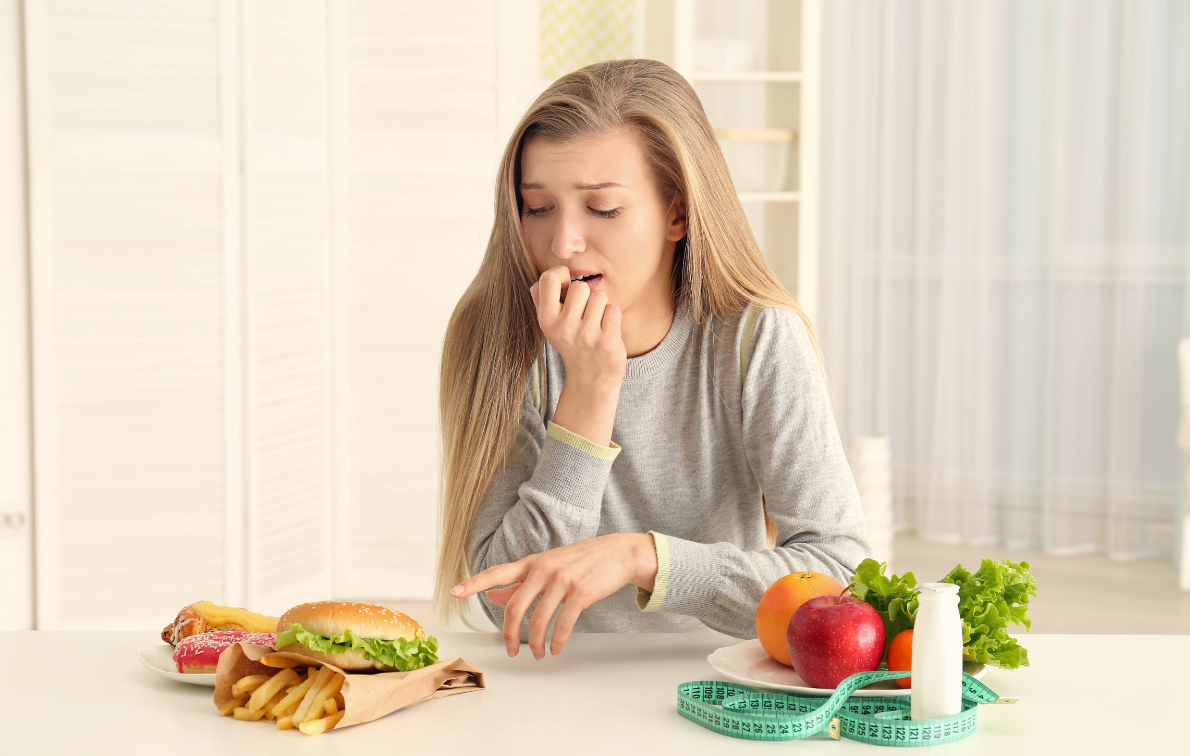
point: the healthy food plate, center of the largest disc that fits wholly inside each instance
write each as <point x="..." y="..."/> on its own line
<point x="160" y="659"/>
<point x="748" y="664"/>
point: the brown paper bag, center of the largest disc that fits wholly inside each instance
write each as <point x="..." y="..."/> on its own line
<point x="366" y="696"/>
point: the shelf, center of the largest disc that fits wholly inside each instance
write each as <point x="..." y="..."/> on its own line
<point x="747" y="76"/>
<point x="786" y="94"/>
<point x="769" y="196"/>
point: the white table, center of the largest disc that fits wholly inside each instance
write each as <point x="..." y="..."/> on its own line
<point x="86" y="693"/>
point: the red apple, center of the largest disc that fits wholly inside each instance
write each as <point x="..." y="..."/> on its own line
<point x="833" y="637"/>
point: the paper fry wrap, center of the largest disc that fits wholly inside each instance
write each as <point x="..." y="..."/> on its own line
<point x="366" y="696"/>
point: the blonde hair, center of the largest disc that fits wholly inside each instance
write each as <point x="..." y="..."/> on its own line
<point x="493" y="337"/>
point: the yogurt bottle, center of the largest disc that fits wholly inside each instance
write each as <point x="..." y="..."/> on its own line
<point x="937" y="664"/>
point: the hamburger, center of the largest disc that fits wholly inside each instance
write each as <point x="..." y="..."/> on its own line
<point x="356" y="637"/>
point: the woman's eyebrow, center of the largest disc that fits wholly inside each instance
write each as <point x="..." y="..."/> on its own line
<point x="580" y="187"/>
<point x="596" y="187"/>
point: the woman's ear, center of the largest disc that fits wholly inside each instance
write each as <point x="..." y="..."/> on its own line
<point x="675" y="220"/>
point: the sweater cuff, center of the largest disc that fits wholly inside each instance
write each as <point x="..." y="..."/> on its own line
<point x="567" y="474"/>
<point x="692" y="580"/>
<point x="651" y="602"/>
<point x="583" y="444"/>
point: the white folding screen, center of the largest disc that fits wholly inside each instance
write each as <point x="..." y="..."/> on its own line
<point x="127" y="173"/>
<point x="250" y="220"/>
<point x="287" y="323"/>
<point x="16" y="484"/>
<point x="415" y="119"/>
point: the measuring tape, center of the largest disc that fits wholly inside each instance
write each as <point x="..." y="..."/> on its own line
<point x="747" y="713"/>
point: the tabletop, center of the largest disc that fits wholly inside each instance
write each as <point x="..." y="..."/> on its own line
<point x="606" y="693"/>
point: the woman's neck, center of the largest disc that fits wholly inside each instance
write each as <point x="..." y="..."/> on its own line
<point x="644" y="329"/>
<point x="645" y="337"/>
<point x="645" y="325"/>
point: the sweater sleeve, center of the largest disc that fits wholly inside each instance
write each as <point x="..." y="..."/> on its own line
<point x="793" y="447"/>
<point x="548" y="495"/>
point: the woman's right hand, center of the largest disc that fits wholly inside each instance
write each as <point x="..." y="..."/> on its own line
<point x="585" y="330"/>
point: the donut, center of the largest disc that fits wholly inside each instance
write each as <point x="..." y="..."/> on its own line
<point x="199" y="654"/>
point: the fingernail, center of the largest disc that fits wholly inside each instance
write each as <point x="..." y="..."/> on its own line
<point x="510" y="651"/>
<point x="457" y="589"/>
<point x="538" y="657"/>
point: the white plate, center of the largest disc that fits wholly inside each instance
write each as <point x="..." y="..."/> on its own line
<point x="749" y="664"/>
<point x="160" y="659"/>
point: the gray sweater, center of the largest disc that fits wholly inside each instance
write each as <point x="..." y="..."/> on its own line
<point x="692" y="450"/>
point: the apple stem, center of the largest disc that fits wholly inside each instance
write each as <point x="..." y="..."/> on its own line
<point x="845" y="590"/>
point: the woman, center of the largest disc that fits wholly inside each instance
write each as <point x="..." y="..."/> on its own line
<point x="614" y="468"/>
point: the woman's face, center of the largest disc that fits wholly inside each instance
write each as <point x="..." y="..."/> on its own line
<point x="593" y="206"/>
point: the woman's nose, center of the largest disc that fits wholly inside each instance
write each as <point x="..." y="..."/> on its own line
<point x="568" y="238"/>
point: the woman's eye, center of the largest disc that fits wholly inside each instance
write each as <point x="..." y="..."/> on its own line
<point x="530" y="211"/>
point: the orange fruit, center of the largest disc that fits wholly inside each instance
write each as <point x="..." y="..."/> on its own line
<point x="900" y="655"/>
<point x="781" y="600"/>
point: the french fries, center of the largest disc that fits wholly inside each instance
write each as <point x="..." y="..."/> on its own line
<point x="293" y="697"/>
<point x="242" y="713"/>
<point x="265" y="692"/>
<point x="248" y="684"/>
<point x="326" y="691"/>
<point x="323" y="724"/>
<point x="310" y="701"/>
<point x="323" y="678"/>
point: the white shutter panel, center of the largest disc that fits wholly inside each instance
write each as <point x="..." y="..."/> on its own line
<point x="126" y="208"/>
<point x="287" y="304"/>
<point x="415" y="152"/>
<point x="16" y="484"/>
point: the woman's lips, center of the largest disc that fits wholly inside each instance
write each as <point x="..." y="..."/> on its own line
<point x="593" y="282"/>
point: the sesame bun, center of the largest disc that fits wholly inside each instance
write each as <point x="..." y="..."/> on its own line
<point x="332" y="618"/>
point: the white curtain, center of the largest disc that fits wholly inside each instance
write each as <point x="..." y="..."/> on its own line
<point x="1004" y="254"/>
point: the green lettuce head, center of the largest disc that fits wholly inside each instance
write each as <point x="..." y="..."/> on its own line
<point x="399" y="653"/>
<point x="991" y="598"/>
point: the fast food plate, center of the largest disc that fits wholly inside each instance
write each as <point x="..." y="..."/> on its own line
<point x="160" y="660"/>
<point x="749" y="664"/>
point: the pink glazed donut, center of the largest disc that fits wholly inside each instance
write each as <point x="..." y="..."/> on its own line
<point x="199" y="654"/>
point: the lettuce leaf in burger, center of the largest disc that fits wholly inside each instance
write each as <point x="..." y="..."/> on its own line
<point x="356" y="637"/>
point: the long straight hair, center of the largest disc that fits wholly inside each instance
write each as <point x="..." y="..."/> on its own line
<point x="493" y="336"/>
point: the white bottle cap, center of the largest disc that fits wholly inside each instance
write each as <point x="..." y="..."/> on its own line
<point x="942" y="588"/>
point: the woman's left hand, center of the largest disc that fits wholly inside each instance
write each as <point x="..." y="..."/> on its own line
<point x="575" y="576"/>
